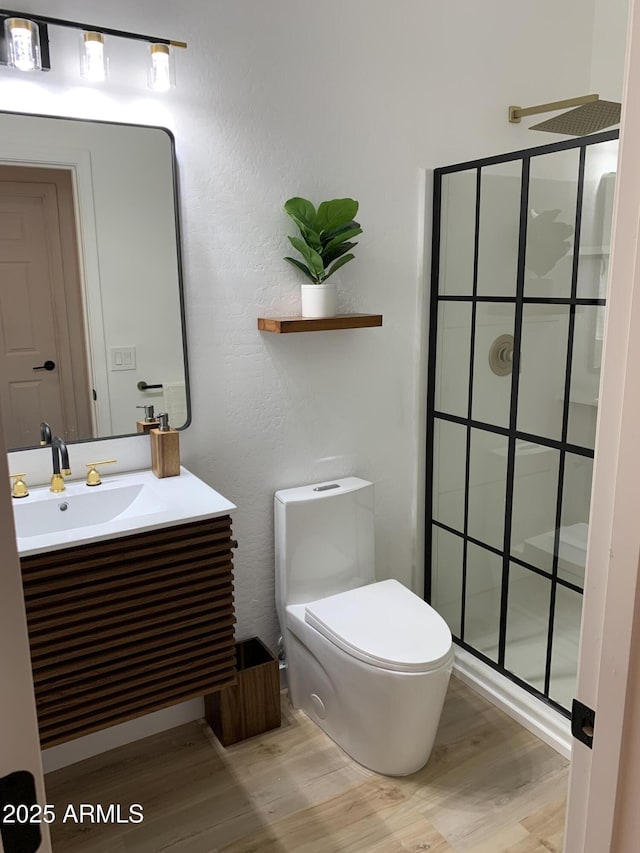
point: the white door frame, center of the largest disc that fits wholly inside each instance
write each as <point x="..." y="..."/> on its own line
<point x="596" y="818"/>
<point x="78" y="161"/>
<point x="58" y="286"/>
<point x="19" y="741"/>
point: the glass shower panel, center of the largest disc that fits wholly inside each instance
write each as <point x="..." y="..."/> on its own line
<point x="491" y="390"/>
<point x="511" y="454"/>
<point x="446" y="577"/>
<point x="597" y="213"/>
<point x="551" y="221"/>
<point x="585" y="375"/>
<point x="487" y="487"/>
<point x="533" y="514"/>
<point x="449" y="473"/>
<point x="593" y="272"/>
<point x="499" y="230"/>
<point x="564" y="653"/>
<point x="458" y="229"/>
<point x="576" y="497"/>
<point x="482" y="600"/>
<point x="452" y="360"/>
<point x="543" y="359"/>
<point x="527" y="625"/>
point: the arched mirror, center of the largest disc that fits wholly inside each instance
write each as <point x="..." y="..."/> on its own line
<point x="91" y="302"/>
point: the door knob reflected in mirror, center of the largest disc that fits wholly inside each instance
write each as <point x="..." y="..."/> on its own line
<point x="48" y="365"/>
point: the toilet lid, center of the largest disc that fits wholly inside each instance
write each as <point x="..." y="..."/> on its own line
<point x="383" y="624"/>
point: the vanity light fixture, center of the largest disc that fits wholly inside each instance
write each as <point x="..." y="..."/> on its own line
<point x="24" y="44"/>
<point x="161" y="77"/>
<point x="93" y="59"/>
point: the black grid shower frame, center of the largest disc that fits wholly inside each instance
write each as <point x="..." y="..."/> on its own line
<point x="511" y="433"/>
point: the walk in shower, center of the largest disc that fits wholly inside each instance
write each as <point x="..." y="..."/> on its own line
<point x="520" y="265"/>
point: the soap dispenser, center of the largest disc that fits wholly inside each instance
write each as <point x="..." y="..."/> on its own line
<point x="150" y="422"/>
<point x="165" y="448"/>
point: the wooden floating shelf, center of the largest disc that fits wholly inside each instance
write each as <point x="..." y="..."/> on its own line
<point x="285" y="325"/>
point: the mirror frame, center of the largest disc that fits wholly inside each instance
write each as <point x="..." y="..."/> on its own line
<point x="179" y="256"/>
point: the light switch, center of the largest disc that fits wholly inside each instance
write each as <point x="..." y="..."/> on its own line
<point x="123" y="358"/>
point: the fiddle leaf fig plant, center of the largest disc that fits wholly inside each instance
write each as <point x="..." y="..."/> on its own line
<point x="325" y="235"/>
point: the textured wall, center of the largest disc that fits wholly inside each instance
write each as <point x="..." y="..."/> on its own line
<point x="283" y="97"/>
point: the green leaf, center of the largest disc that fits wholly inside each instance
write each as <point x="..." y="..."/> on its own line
<point x="305" y="269"/>
<point x="344" y="235"/>
<point x="312" y="238"/>
<point x="309" y="254"/>
<point x="340" y="229"/>
<point x="339" y="263"/>
<point x="302" y="211"/>
<point x="336" y="252"/>
<point x="335" y="212"/>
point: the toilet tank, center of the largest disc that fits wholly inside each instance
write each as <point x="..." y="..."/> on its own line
<point x="324" y="540"/>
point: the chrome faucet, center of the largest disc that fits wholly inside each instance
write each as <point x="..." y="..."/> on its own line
<point x="60" y="464"/>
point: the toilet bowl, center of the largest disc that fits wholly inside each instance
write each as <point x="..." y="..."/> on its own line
<point x="368" y="661"/>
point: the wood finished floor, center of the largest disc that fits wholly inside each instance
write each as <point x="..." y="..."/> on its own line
<point x="489" y="786"/>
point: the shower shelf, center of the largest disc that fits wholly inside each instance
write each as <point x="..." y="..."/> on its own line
<point x="523" y="448"/>
<point x="286" y="325"/>
<point x="594" y="251"/>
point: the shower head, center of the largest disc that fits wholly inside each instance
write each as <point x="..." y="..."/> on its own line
<point x="589" y="118"/>
<point x="591" y="115"/>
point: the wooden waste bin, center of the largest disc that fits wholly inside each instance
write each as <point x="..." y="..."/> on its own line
<point x="252" y="705"/>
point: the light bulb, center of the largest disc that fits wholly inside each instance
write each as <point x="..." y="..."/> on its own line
<point x="160" y="72"/>
<point x="23" y="41"/>
<point x="93" y="62"/>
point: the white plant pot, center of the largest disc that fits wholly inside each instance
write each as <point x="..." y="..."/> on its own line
<point x="319" y="300"/>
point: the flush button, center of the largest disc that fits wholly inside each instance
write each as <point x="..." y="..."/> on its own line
<point x="318" y="706"/>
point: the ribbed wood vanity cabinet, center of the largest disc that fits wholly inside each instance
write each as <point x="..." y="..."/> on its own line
<point x="127" y="626"/>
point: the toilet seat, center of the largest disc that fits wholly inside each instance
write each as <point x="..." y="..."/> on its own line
<point x="385" y="625"/>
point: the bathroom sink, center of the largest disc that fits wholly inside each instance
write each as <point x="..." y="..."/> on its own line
<point x="77" y="510"/>
<point x="123" y="504"/>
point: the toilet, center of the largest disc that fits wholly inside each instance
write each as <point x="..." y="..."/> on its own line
<point x="368" y="661"/>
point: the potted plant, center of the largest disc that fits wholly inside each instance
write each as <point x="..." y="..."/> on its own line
<point x="325" y="246"/>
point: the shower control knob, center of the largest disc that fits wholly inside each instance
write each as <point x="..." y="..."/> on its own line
<point x="501" y="355"/>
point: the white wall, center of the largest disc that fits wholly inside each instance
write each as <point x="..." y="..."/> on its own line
<point x="608" y="48"/>
<point x="276" y="100"/>
<point x="273" y="100"/>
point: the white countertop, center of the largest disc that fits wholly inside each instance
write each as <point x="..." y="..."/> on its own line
<point x="123" y="504"/>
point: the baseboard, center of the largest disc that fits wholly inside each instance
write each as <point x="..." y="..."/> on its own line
<point x="540" y="719"/>
<point x="102" y="741"/>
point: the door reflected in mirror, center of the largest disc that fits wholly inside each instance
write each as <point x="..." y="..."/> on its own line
<point x="91" y="303"/>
